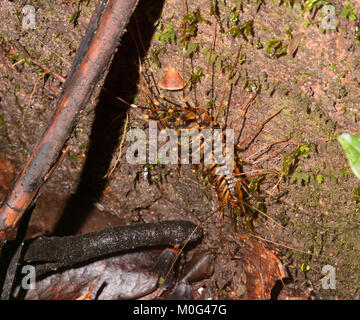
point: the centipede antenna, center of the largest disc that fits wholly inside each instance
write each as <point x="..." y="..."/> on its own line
<point x="259" y="152"/>
<point x="285" y="246"/>
<point x="257" y="159"/>
<point x="135" y="42"/>
<point x="124" y="101"/>
<point x="149" y="93"/>
<point x="259" y="127"/>
<point x="264" y="214"/>
<point x="248" y="103"/>
<point x="139" y="35"/>
<point x="173" y="103"/>
<point x="140" y="82"/>
<point x="256" y="175"/>
<point x="226" y="86"/>
<point x="144" y="54"/>
<point x="139" y="57"/>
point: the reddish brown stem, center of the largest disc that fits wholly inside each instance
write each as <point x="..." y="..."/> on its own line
<point x="212" y="46"/>
<point x="96" y="50"/>
<point x="184" y="45"/>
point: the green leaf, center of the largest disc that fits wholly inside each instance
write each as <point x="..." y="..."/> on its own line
<point x="167" y="35"/>
<point x="275" y="48"/>
<point x="320" y="178"/>
<point x="309" y="4"/>
<point x="196" y="76"/>
<point x="348" y="12"/>
<point x="344" y="12"/>
<point x="351" y="145"/>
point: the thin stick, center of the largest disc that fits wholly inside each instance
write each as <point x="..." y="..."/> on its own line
<point x="35" y="85"/>
<point x="32" y="94"/>
<point x="53" y="52"/>
<point x="13" y="65"/>
<point x="141" y="75"/>
<point x="37" y="63"/>
<point x="182" y="249"/>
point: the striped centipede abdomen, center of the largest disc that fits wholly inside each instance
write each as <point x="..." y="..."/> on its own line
<point x="228" y="187"/>
<point x="227" y="184"/>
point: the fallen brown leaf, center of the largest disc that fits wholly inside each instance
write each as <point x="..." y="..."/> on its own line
<point x="126" y="276"/>
<point x="261" y="266"/>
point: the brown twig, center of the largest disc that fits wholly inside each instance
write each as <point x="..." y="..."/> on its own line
<point x="44" y="68"/>
<point x="35" y="86"/>
<point x="106" y="27"/>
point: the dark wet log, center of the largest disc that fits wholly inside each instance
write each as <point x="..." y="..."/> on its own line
<point x="93" y="57"/>
<point x="58" y="252"/>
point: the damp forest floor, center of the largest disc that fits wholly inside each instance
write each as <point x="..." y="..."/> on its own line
<point x="307" y="198"/>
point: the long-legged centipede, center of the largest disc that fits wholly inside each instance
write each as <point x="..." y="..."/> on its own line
<point x="229" y="186"/>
